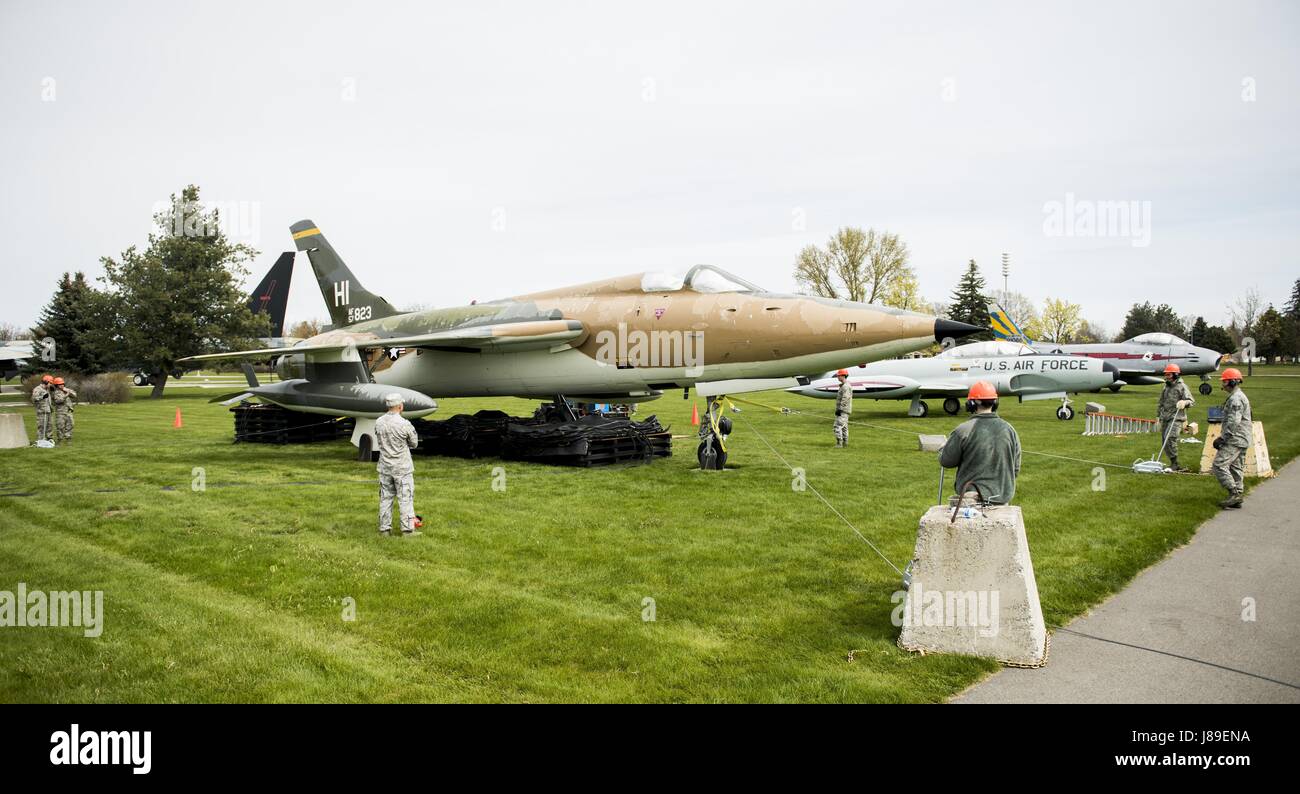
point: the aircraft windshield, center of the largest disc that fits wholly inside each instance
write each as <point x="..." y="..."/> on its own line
<point x="988" y="350"/>
<point x="1161" y="339"/>
<point x="701" y="278"/>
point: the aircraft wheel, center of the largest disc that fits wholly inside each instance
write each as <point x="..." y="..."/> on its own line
<point x="711" y="459"/>
<point x="1065" y="413"/>
<point x="951" y="406"/>
<point x="1114" y="388"/>
<point x="1205" y="389"/>
<point x="139" y="379"/>
<point x="924" y="410"/>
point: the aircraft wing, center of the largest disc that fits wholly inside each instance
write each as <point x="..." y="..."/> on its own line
<point x="527" y="335"/>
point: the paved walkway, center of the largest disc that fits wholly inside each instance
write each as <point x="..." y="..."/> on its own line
<point x="1176" y="634"/>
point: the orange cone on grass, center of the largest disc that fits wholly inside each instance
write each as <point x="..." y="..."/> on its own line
<point x="695" y="414"/>
<point x="177" y="422"/>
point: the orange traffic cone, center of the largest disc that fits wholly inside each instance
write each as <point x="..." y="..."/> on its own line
<point x="695" y="414"/>
<point x="177" y="422"/>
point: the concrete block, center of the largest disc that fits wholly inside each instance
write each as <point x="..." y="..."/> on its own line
<point x="1094" y="408"/>
<point x="13" y="433"/>
<point x="931" y="443"/>
<point x="973" y="589"/>
<point x="1257" y="461"/>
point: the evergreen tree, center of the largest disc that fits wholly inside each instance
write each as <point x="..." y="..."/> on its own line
<point x="1199" y="329"/>
<point x="1218" y="339"/>
<point x="969" y="303"/>
<point x="70" y="320"/>
<point x="181" y="295"/>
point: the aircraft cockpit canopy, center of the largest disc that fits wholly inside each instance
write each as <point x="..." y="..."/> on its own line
<point x="701" y="278"/>
<point x="1157" y="339"/>
<point x="993" y="349"/>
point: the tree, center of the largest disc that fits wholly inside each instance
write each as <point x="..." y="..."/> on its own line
<point x="1291" y="331"/>
<point x="305" y="329"/>
<point x="1090" y="333"/>
<point x="1143" y="318"/>
<point x="969" y="303"/>
<point x="1269" y="334"/>
<point x="1292" y="308"/>
<point x="855" y="265"/>
<point x="1218" y="339"/>
<point x="1245" y="310"/>
<point x="1199" y="329"/>
<point x="905" y="293"/>
<point x="1060" y="320"/>
<point x="72" y="319"/>
<point x="9" y="332"/>
<point x="181" y="295"/>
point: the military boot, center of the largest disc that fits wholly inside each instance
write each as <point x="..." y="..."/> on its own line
<point x="1233" y="501"/>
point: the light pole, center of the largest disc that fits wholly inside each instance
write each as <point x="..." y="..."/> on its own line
<point x="1006" y="271"/>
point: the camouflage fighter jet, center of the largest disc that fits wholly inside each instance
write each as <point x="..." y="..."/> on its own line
<point x="625" y="339"/>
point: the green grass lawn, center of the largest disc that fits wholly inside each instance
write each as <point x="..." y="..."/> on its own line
<point x="236" y="592"/>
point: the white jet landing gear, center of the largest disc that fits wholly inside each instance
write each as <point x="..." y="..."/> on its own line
<point x="918" y="408"/>
<point x="1205" y="388"/>
<point x="951" y="406"/>
<point x="714" y="430"/>
<point x="1065" y="413"/>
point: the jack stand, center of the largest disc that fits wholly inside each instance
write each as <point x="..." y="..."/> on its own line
<point x="565" y="408"/>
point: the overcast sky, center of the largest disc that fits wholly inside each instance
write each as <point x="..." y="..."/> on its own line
<point x="458" y="151"/>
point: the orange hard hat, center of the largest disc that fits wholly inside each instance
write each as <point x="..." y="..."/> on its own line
<point x="1231" y="373"/>
<point x="982" y="390"/>
<point x="46" y="378"/>
<point x="58" y="381"/>
<point x="1174" y="368"/>
<point x="843" y="372"/>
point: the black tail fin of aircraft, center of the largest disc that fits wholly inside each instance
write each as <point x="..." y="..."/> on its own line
<point x="348" y="302"/>
<point x="272" y="294"/>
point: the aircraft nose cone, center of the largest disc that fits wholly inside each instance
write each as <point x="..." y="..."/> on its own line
<point x="952" y="329"/>
<point x="1106" y="366"/>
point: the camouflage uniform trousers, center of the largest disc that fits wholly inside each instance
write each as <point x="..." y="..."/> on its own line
<point x="1229" y="467"/>
<point x="842" y="429"/>
<point x="44" y="425"/>
<point x="1172" y="435"/>
<point x="401" y="486"/>
<point x="63" y="423"/>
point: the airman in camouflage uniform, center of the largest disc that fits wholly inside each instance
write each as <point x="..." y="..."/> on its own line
<point x="985" y="450"/>
<point x="44" y="407"/>
<point x="395" y="438"/>
<point x="843" y="407"/>
<point x="65" y="400"/>
<point x="1238" y="432"/>
<point x="1171" y="410"/>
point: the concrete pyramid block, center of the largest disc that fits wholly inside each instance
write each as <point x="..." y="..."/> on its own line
<point x="1257" y="463"/>
<point x="13" y="433"/>
<point x="973" y="589"/>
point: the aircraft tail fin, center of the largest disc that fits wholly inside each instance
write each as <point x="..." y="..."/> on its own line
<point x="271" y="295"/>
<point x="348" y="302"/>
<point x="1004" y="327"/>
